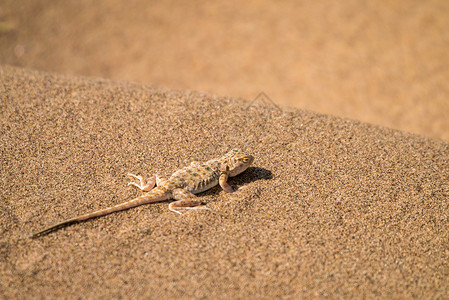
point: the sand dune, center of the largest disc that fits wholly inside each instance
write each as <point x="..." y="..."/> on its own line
<point x="331" y="207"/>
<point x="380" y="62"/>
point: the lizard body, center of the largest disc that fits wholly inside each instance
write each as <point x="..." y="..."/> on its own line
<point x="180" y="186"/>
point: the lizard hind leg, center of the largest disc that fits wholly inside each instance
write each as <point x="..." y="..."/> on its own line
<point x="185" y="200"/>
<point x="160" y="179"/>
<point x="195" y="163"/>
<point x="143" y="185"/>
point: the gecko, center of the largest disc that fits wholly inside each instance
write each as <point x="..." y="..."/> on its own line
<point x="180" y="186"/>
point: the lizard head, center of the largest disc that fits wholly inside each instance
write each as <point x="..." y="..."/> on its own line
<point x="237" y="161"/>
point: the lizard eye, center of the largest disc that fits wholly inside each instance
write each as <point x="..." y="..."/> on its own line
<point x="245" y="159"/>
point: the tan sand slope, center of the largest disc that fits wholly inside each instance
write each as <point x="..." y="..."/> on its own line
<point x="384" y="62"/>
<point x="331" y="207"/>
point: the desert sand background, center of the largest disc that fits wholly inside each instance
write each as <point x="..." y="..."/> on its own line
<point x="332" y="207"/>
<point x="382" y="62"/>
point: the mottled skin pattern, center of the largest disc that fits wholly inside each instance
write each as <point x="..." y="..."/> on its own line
<point x="181" y="186"/>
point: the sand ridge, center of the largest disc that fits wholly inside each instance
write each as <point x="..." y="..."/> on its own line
<point x="381" y="62"/>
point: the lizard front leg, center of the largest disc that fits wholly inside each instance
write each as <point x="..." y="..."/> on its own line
<point x="185" y="200"/>
<point x="223" y="181"/>
<point x="143" y="186"/>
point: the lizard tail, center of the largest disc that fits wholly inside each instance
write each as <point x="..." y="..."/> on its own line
<point x="155" y="195"/>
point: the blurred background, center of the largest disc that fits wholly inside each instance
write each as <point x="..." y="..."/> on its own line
<point x="382" y="62"/>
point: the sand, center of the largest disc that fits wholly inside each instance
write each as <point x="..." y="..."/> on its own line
<point x="331" y="207"/>
<point x="384" y="62"/>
